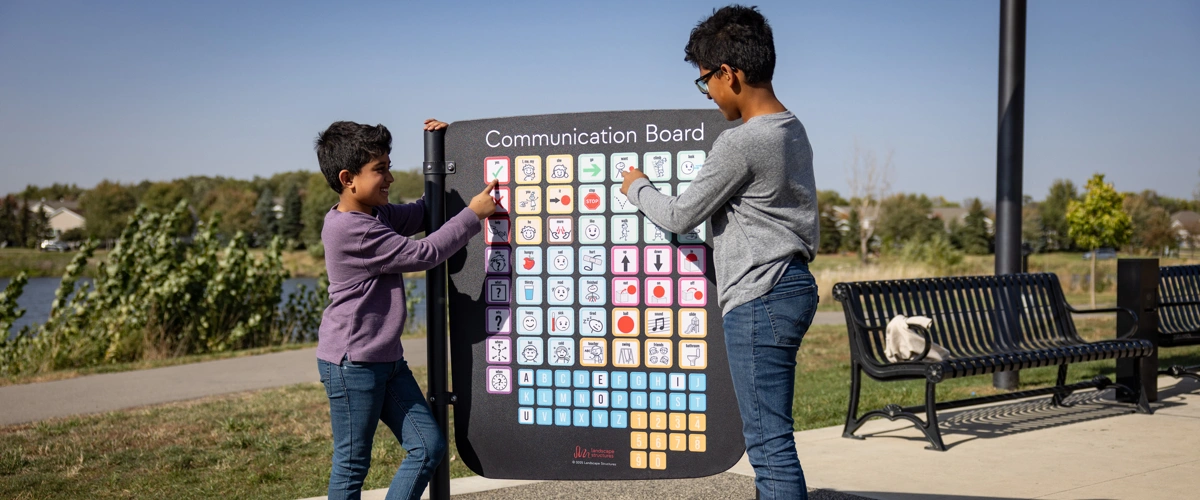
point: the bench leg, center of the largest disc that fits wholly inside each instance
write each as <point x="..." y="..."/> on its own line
<point x="892" y="412"/>
<point x="1057" y="398"/>
<point x="931" y="430"/>
<point x="852" y="421"/>
<point x="1178" y="371"/>
<point x="1143" y="404"/>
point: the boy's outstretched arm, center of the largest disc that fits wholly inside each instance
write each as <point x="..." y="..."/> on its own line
<point x="717" y="181"/>
<point x="385" y="252"/>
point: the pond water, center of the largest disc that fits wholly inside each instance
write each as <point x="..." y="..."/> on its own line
<point x="39" y="294"/>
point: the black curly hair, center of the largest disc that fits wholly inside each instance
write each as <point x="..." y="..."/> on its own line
<point x="349" y="146"/>
<point x="735" y="35"/>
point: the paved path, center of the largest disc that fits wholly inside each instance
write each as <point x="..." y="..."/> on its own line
<point x="116" y="391"/>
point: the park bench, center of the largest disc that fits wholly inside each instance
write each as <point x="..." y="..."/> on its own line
<point x="988" y="324"/>
<point x="1179" y="313"/>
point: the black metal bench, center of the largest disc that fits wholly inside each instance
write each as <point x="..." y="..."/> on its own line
<point x="988" y="324"/>
<point x="1179" y="313"/>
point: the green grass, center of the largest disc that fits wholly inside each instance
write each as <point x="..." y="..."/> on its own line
<point x="39" y="264"/>
<point x="267" y="444"/>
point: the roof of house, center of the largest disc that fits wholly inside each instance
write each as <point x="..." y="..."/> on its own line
<point x="66" y="211"/>
<point x="949" y="213"/>
<point x="1185" y="218"/>
<point x="50" y="206"/>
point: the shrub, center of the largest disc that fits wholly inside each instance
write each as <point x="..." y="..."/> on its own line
<point x="937" y="252"/>
<point x="158" y="295"/>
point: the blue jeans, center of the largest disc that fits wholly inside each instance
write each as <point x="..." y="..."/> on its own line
<point x="762" y="337"/>
<point x="362" y="394"/>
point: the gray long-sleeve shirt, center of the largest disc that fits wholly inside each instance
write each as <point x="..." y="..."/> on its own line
<point x="757" y="185"/>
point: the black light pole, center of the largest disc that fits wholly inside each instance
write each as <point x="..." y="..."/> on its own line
<point x="435" y="296"/>
<point x="1010" y="147"/>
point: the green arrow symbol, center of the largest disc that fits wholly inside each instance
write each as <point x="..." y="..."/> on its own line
<point x="594" y="170"/>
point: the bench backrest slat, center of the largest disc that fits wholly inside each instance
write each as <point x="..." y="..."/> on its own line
<point x="1178" y="284"/>
<point x="973" y="315"/>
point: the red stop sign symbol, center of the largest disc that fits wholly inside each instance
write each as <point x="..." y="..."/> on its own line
<point x="591" y="201"/>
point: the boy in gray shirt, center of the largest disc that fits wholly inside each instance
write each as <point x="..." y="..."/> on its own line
<point x="757" y="186"/>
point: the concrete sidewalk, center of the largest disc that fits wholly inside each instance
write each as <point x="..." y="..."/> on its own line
<point x="1094" y="448"/>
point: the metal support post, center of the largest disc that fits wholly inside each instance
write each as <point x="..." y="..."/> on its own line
<point x="1137" y="290"/>
<point x="1009" y="154"/>
<point x="435" y="301"/>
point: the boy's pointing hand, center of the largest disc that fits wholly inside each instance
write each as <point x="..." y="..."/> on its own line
<point x="483" y="204"/>
<point x="631" y="175"/>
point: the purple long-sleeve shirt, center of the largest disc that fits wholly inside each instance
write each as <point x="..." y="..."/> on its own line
<point x="365" y="257"/>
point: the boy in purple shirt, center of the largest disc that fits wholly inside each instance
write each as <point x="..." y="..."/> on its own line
<point x="359" y="354"/>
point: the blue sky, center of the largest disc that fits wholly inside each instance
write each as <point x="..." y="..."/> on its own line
<point x="159" y="90"/>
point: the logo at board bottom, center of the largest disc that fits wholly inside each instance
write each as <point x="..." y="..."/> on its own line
<point x="589" y="456"/>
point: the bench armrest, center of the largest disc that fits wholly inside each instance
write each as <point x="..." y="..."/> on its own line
<point x="928" y="343"/>
<point x="921" y="330"/>
<point x="1131" y="314"/>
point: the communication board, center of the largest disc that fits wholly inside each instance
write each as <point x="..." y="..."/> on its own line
<point x="586" y="341"/>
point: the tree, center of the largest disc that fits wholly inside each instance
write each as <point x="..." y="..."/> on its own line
<point x="831" y="236"/>
<point x="1031" y="227"/>
<point x="853" y="230"/>
<point x="409" y="185"/>
<point x="1098" y="221"/>
<point x="1054" y="214"/>
<point x="318" y="199"/>
<point x="869" y="184"/>
<point x="266" y="224"/>
<point x="20" y="225"/>
<point x="8" y="220"/>
<point x="972" y="237"/>
<point x="236" y="207"/>
<point x="33" y="225"/>
<point x="1191" y="235"/>
<point x="291" y="224"/>
<point x="107" y="208"/>
<point x="56" y="192"/>
<point x="1152" y="223"/>
<point x="906" y="217"/>
<point x="163" y="197"/>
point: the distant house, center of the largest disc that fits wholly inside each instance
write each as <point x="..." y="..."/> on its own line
<point x="63" y="215"/>
<point x="1186" y="224"/>
<point x="948" y="214"/>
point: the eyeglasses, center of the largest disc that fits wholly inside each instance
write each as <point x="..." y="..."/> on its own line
<point x="702" y="82"/>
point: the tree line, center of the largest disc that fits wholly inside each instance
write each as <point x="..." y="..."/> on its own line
<point x="248" y="206"/>
<point x="905" y="218"/>
<point x="245" y="206"/>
